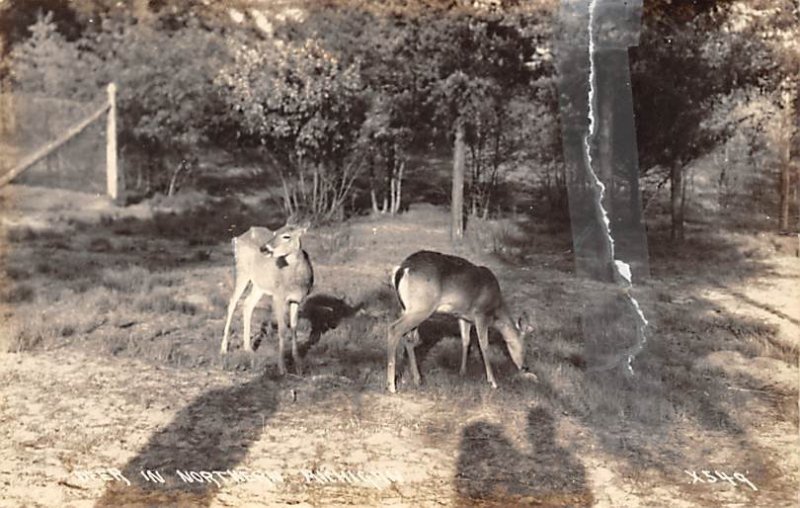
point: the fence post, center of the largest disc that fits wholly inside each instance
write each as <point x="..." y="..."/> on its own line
<point x="115" y="184"/>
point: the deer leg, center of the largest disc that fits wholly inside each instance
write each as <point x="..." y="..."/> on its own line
<point x="465" y="327"/>
<point x="249" y="305"/>
<point x="412" y="358"/>
<point x="279" y="310"/>
<point x="294" y="310"/>
<point x="397" y="330"/>
<point x="483" y="341"/>
<point x="239" y="288"/>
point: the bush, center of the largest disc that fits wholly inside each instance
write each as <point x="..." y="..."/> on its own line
<point x="308" y="109"/>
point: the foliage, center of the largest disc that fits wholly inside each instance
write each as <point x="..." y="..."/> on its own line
<point x="702" y="73"/>
<point x="308" y="110"/>
<point x="167" y="100"/>
<point x="356" y="87"/>
<point x="47" y="64"/>
<point x="693" y="60"/>
<point x="348" y="85"/>
<point x="427" y="64"/>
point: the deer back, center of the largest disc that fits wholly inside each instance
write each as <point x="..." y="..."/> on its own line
<point x="449" y="284"/>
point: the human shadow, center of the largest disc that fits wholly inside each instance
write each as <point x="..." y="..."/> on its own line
<point x="213" y="433"/>
<point x="493" y="472"/>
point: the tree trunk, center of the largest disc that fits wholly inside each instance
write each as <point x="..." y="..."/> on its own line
<point x="785" y="194"/>
<point x="173" y="182"/>
<point x="676" y="201"/>
<point x="374" y="200"/>
<point x="785" y="157"/>
<point x="457" y="202"/>
<point x="398" y="189"/>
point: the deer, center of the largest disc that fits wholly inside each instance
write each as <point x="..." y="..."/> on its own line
<point x="274" y="264"/>
<point x="428" y="282"/>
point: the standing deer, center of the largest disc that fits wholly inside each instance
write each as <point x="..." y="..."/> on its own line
<point x="427" y="282"/>
<point x="275" y="264"/>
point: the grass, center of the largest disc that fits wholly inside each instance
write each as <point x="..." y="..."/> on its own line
<point x="158" y="289"/>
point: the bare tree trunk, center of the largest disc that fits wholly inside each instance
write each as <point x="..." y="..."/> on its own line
<point x="796" y="198"/>
<point x="173" y="182"/>
<point x="472" y="190"/>
<point x="398" y="194"/>
<point x="786" y="178"/>
<point x="287" y="196"/>
<point x="374" y="200"/>
<point x="676" y="202"/>
<point x="785" y="160"/>
<point x="392" y="191"/>
<point x="315" y="191"/>
<point x="457" y="200"/>
<point x="785" y="157"/>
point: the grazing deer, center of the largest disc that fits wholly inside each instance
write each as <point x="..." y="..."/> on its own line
<point x="427" y="282"/>
<point x="275" y="264"/>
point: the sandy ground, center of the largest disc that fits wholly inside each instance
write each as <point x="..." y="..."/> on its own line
<point x="81" y="429"/>
<point x="69" y="421"/>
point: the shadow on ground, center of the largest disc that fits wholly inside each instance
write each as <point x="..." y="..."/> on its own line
<point x="213" y="433"/>
<point x="493" y="472"/>
<point x="678" y="408"/>
<point x="325" y="312"/>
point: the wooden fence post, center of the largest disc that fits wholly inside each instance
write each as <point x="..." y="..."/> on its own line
<point x="115" y="184"/>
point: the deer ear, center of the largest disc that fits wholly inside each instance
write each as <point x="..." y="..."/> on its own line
<point x="305" y="226"/>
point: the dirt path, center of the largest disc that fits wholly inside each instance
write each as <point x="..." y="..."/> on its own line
<point x="70" y="438"/>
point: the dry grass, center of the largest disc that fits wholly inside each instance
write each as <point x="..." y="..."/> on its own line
<point x="157" y="289"/>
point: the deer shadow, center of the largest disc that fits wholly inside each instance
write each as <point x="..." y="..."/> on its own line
<point x="443" y="326"/>
<point x="491" y="471"/>
<point x="324" y="313"/>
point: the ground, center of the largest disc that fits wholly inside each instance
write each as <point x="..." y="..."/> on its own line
<point x="113" y="319"/>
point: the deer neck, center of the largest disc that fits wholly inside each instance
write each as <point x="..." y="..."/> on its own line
<point x="505" y="325"/>
<point x="287" y="260"/>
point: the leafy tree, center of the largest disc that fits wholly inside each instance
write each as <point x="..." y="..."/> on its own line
<point x="18" y="16"/>
<point x="308" y="110"/>
<point x="167" y="100"/>
<point x="49" y="65"/>
<point x="437" y="72"/>
<point x="675" y="88"/>
<point x="377" y="38"/>
<point x="694" y="58"/>
<point x="469" y="63"/>
<point x="770" y="49"/>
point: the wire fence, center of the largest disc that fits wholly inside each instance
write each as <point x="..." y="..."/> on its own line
<point x="28" y="123"/>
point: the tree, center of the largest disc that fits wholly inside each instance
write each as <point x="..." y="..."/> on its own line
<point x="474" y="60"/>
<point x="694" y="59"/>
<point x="307" y="109"/>
<point x="675" y="87"/>
<point x="47" y="64"/>
<point x="433" y="72"/>
<point x="771" y="35"/>
<point x="167" y="100"/>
